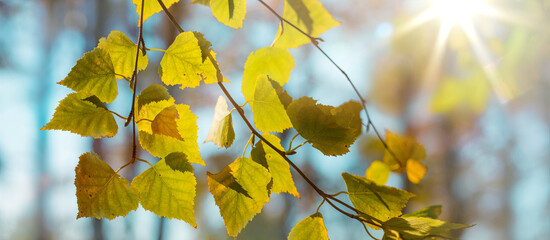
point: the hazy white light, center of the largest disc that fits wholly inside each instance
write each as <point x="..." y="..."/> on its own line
<point x="458" y="11"/>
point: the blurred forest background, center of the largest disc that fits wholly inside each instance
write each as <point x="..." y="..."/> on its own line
<point x="475" y="95"/>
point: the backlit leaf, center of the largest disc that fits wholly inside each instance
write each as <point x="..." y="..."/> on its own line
<point x="415" y="228"/>
<point x="165" y="123"/>
<point x="167" y="193"/>
<point x="153" y="93"/>
<point x="380" y="202"/>
<point x="308" y="15"/>
<point x="276" y="63"/>
<point x="93" y="74"/>
<point x="269" y="113"/>
<point x="161" y="145"/>
<point x="236" y="208"/>
<point x="229" y="12"/>
<point x="277" y="166"/>
<point x="310" y="228"/>
<point x="415" y="171"/>
<point x="378" y="172"/>
<point x="151" y="7"/>
<point x="123" y="53"/>
<point x="221" y="131"/>
<point x="178" y="161"/>
<point x="432" y="212"/>
<point x="182" y="63"/>
<point x="404" y="148"/>
<point x="100" y="192"/>
<point x="82" y="117"/>
<point x="331" y="130"/>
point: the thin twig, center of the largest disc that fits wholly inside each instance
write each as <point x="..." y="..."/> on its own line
<point x="118" y="115"/>
<point x="367" y="230"/>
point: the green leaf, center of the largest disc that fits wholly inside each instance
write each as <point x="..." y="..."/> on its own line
<point x="167" y="193"/>
<point x="153" y="93"/>
<point x="277" y="165"/>
<point x="221" y="131"/>
<point x="161" y="145"/>
<point x="432" y="212"/>
<point x="83" y="117"/>
<point x="100" y="192"/>
<point x="229" y="12"/>
<point x="404" y="148"/>
<point x="236" y="208"/>
<point x="165" y="123"/>
<point x="123" y="53"/>
<point x="331" y="130"/>
<point x="276" y="63"/>
<point x="182" y="63"/>
<point x="380" y="202"/>
<point x="269" y="113"/>
<point x="412" y="228"/>
<point x="151" y="7"/>
<point x="308" y="15"/>
<point x="93" y="74"/>
<point x="311" y="227"/>
<point x="178" y="161"/>
<point x="378" y="172"/>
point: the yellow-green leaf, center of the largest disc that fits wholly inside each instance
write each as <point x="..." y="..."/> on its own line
<point x="151" y="7"/>
<point x="123" y="53"/>
<point x="221" y="131"/>
<point x="165" y="123"/>
<point x="454" y="94"/>
<point x="416" y="228"/>
<point x="153" y="93"/>
<point x="161" y="145"/>
<point x="202" y="2"/>
<point x="178" y="161"/>
<point x="277" y="166"/>
<point x="415" y="171"/>
<point x="310" y="228"/>
<point x="308" y="15"/>
<point x="378" y="172"/>
<point x="432" y="212"/>
<point x="404" y="148"/>
<point x="83" y="117"/>
<point x="276" y="63"/>
<point x="93" y="74"/>
<point x="229" y="12"/>
<point x="380" y="202"/>
<point x="100" y="192"/>
<point x="167" y="192"/>
<point x="237" y="208"/>
<point x="269" y="113"/>
<point x="182" y="63"/>
<point x="331" y="130"/>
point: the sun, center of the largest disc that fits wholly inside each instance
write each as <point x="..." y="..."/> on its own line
<point x="456" y="12"/>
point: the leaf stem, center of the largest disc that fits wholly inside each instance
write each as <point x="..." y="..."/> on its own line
<point x="156" y="49"/>
<point x="292" y="140"/>
<point x="144" y="119"/>
<point x="294" y="149"/>
<point x="118" y="115"/>
<point x="143" y="160"/>
<point x="246" y="146"/>
<point x="321" y="204"/>
<point x="367" y="230"/>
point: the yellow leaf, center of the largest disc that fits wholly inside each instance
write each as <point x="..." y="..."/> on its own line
<point x="378" y="172"/>
<point x="415" y="171"/>
<point x="240" y="191"/>
<point x="310" y="228"/>
<point x="404" y="148"/>
<point x="167" y="192"/>
<point x="308" y="15"/>
<point x="221" y="131"/>
<point x="123" y="53"/>
<point x="165" y="123"/>
<point x="100" y="192"/>
<point x="151" y="7"/>
<point x="183" y="63"/>
<point x="269" y="112"/>
<point x="229" y="12"/>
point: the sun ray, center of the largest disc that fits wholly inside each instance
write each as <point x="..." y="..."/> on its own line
<point x="436" y="59"/>
<point x="502" y="90"/>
